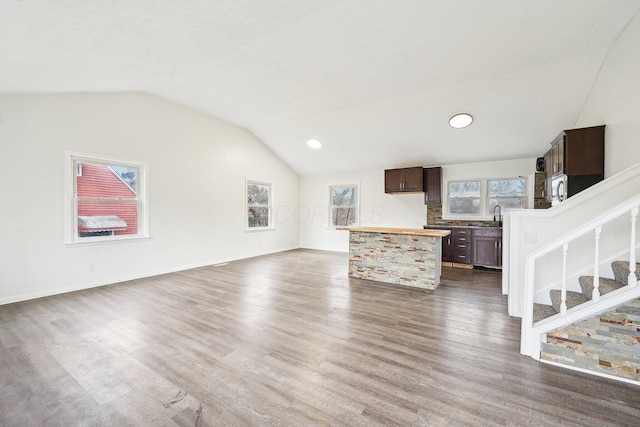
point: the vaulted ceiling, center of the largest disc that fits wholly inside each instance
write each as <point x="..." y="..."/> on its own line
<point x="375" y="80"/>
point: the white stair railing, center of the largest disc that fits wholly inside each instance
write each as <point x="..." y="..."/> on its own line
<point x="563" y="293"/>
<point x="632" y="279"/>
<point x="533" y="334"/>
<point x="596" y="266"/>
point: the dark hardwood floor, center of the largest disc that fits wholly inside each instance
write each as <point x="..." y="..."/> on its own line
<point x="287" y="340"/>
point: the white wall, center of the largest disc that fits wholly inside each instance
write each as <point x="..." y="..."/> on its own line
<point x="615" y="101"/>
<point x="197" y="171"/>
<point x="529" y="230"/>
<point x="377" y="208"/>
<point x="498" y="169"/>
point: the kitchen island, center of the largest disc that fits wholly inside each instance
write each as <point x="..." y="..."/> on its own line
<point x="401" y="256"/>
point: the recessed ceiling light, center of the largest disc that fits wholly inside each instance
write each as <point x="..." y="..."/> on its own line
<point x="314" y="143"/>
<point x="461" y="120"/>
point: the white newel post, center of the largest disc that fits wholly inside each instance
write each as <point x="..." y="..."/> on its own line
<point x="633" y="280"/>
<point x="563" y="294"/>
<point x="596" y="268"/>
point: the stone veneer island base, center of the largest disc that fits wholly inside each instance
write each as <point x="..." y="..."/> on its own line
<point x="401" y="256"/>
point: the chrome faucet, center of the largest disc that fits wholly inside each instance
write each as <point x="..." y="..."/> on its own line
<point x="499" y="214"/>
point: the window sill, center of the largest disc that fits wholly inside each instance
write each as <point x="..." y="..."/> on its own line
<point x="467" y="218"/>
<point x="251" y="230"/>
<point x="98" y="241"/>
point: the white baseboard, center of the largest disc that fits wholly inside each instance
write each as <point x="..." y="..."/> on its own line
<point x="587" y="371"/>
<point x="120" y="279"/>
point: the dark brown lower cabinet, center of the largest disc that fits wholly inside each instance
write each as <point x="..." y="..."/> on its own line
<point x="447" y="244"/>
<point x="472" y="246"/>
<point x="446" y="248"/>
<point x="487" y="247"/>
<point x="456" y="247"/>
<point x="461" y="245"/>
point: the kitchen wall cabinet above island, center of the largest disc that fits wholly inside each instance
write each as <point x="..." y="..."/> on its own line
<point x="405" y="180"/>
<point x="432" y="181"/>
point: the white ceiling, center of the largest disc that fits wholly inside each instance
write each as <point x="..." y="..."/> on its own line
<point x="375" y="80"/>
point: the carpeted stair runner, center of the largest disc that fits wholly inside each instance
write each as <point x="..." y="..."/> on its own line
<point x="620" y="272"/>
<point x="606" y="285"/>
<point x="573" y="299"/>
<point x="542" y="311"/>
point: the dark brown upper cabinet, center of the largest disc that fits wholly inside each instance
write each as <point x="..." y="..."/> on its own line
<point x="405" y="180"/>
<point x="578" y="152"/>
<point x="432" y="180"/>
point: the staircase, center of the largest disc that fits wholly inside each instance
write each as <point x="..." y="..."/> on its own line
<point x="603" y="344"/>
<point x="596" y="330"/>
<point x="573" y="299"/>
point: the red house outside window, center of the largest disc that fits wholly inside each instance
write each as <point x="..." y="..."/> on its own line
<point x="106" y="200"/>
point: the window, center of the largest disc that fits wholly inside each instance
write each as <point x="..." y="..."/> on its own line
<point x="107" y="199"/>
<point x="259" y="205"/>
<point x="464" y="197"/>
<point x="479" y="197"/>
<point x="508" y="193"/>
<point x="344" y="205"/>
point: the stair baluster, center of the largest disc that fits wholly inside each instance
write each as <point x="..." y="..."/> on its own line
<point x="563" y="294"/>
<point x="633" y="280"/>
<point x="595" y="296"/>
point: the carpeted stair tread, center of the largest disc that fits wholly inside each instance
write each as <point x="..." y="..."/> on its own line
<point x="542" y="311"/>
<point x="573" y="299"/>
<point x="621" y="271"/>
<point x="606" y="286"/>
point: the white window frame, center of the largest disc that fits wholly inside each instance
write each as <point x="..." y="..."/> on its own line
<point x="483" y="214"/>
<point x="72" y="172"/>
<point x="502" y="208"/>
<point x="269" y="206"/>
<point x="332" y="206"/>
<point x="481" y="198"/>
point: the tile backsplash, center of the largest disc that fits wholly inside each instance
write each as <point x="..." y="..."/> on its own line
<point x="434" y="217"/>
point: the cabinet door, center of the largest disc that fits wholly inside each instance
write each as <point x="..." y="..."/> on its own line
<point x="413" y="180"/>
<point x="485" y="251"/>
<point x="558" y="155"/>
<point x="487" y="247"/>
<point x="432" y="178"/>
<point x="584" y="151"/>
<point x="393" y="179"/>
<point x="447" y="256"/>
<point x="462" y="245"/>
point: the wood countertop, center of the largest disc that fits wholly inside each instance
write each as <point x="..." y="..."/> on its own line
<point x="410" y="231"/>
